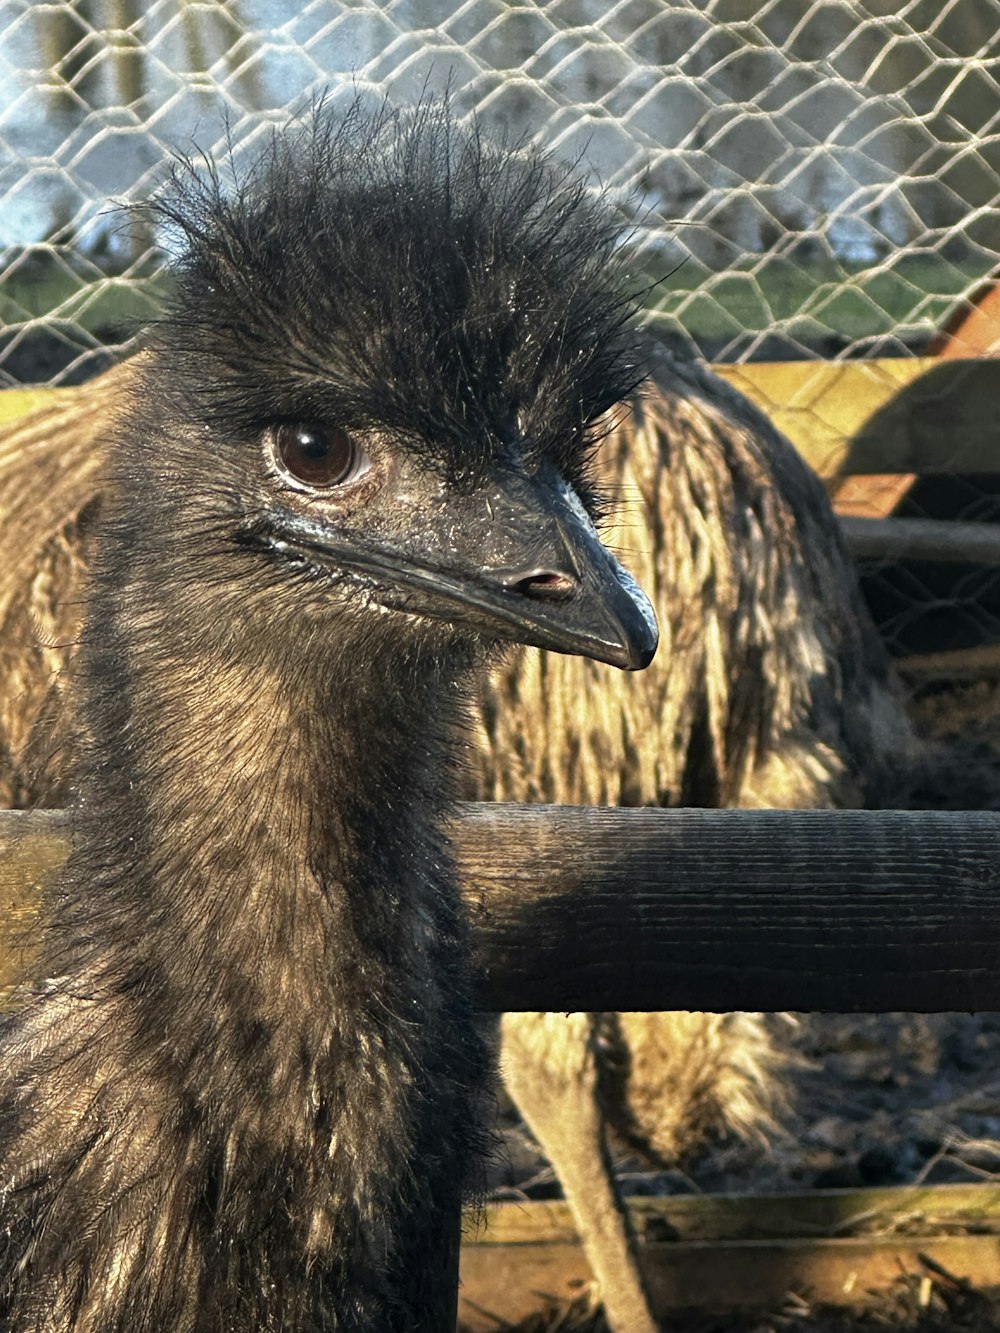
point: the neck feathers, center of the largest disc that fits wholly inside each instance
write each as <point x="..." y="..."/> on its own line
<point x="261" y="1020"/>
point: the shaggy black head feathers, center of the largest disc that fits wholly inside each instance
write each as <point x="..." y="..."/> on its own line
<point x="392" y="269"/>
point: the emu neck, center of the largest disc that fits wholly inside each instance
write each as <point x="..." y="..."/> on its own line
<point x="262" y="1000"/>
<point x="283" y="803"/>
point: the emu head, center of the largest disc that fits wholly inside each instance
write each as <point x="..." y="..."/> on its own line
<point x="377" y="385"/>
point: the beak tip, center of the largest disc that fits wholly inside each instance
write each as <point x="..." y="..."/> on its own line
<point x="640" y="660"/>
<point x="635" y="654"/>
<point x="640" y="631"/>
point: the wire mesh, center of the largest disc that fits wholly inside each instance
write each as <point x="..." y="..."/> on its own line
<point x="807" y="178"/>
<point x="810" y="177"/>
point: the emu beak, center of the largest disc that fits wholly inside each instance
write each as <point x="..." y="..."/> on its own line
<point x="545" y="578"/>
<point x="523" y="563"/>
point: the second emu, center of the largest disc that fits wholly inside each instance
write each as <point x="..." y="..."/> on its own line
<point x="353" y="459"/>
<point x="771" y="689"/>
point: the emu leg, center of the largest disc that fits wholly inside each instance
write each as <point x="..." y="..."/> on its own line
<point x="549" y="1065"/>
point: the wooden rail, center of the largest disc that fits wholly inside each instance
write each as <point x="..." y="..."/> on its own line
<point x="936" y="539"/>
<point x="584" y="908"/>
<point x="726" y="1252"/>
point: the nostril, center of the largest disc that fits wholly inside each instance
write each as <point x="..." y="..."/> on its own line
<point x="545" y="585"/>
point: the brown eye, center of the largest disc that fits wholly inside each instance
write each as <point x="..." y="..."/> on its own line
<point x="320" y="456"/>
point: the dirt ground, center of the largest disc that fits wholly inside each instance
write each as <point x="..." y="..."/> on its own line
<point x="912" y="1307"/>
<point x="888" y="1099"/>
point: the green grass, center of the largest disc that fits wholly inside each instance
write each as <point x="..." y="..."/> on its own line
<point x="48" y="291"/>
<point x="808" y="301"/>
<point x="821" y="298"/>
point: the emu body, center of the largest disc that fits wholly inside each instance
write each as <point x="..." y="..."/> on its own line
<point x="771" y="689"/>
<point x="245" y="1099"/>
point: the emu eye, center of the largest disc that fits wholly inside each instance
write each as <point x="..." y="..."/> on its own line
<point x="317" y="456"/>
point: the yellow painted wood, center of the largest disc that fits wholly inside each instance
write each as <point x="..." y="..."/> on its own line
<point x="918" y="414"/>
<point x="821" y="405"/>
<point x="16" y="403"/>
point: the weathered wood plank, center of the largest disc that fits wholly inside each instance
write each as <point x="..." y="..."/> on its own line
<point x="726" y="909"/>
<point x="956" y="665"/>
<point x="502" y="1285"/>
<point x="837" y="1213"/>
<point x="726" y="1251"/>
<point x="585" y="908"/>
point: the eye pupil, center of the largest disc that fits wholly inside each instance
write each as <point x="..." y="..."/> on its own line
<point x="317" y="455"/>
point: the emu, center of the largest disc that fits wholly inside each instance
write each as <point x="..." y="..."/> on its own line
<point x="770" y="688"/>
<point x="352" y="461"/>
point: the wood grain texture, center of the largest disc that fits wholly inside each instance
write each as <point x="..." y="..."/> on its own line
<point x="502" y="1285"/>
<point x="841" y="911"/>
<point x="725" y="1251"/>
<point x="878" y="1210"/>
<point x="615" y="909"/>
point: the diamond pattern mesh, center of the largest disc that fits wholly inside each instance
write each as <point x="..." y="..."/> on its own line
<point x="807" y="178"/>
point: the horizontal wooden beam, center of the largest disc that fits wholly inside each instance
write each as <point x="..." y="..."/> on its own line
<point x="725" y="1252"/>
<point x="956" y="666"/>
<point x="889" y="415"/>
<point x="923" y="539"/>
<point x="850" y="911"/>
<point x="592" y="908"/>
<point x="822" y="1214"/>
<point x="906" y="414"/>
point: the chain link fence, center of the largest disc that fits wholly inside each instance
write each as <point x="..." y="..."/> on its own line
<point x="809" y="179"/>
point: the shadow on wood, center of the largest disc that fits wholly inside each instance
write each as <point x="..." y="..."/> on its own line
<point x="587" y="908"/>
